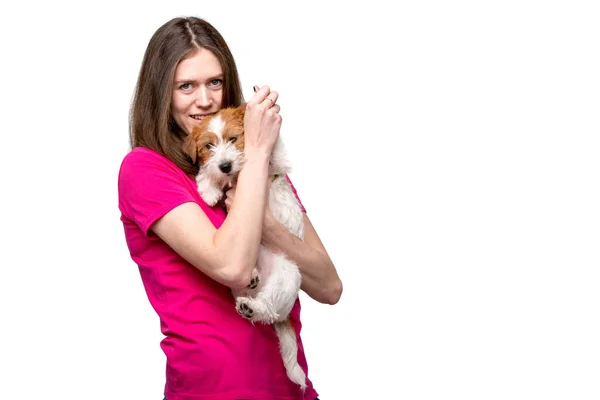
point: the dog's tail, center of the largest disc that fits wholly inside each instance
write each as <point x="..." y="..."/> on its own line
<point x="288" y="346"/>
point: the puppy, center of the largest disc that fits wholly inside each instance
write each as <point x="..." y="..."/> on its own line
<point x="217" y="145"/>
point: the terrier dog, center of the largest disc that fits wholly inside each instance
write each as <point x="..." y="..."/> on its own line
<point x="217" y="145"/>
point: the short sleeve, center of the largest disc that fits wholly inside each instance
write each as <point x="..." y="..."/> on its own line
<point x="149" y="187"/>
<point x="295" y="193"/>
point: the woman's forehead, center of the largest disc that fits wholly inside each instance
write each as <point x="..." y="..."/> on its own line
<point x="200" y="65"/>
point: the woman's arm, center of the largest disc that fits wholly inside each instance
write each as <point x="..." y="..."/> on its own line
<point x="228" y="254"/>
<point x="319" y="276"/>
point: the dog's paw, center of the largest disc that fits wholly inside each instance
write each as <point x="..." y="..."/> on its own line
<point x="243" y="308"/>
<point x="210" y="192"/>
<point x="255" y="279"/>
<point x="255" y="310"/>
<point x="212" y="197"/>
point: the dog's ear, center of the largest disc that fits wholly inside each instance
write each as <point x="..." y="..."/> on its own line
<point x="189" y="147"/>
<point x="239" y="112"/>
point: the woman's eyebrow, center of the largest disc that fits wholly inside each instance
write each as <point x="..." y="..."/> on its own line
<point x="182" y="80"/>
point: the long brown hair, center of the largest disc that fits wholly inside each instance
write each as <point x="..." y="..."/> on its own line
<point x="150" y="122"/>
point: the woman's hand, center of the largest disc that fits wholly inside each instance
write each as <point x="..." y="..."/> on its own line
<point x="262" y="122"/>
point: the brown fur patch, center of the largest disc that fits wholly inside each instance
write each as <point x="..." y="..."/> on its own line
<point x="195" y="144"/>
<point x="234" y="125"/>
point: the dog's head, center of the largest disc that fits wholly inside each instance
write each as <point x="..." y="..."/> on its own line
<point x="217" y="143"/>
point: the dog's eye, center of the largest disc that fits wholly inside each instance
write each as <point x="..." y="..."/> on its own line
<point x="233" y="139"/>
<point x="209" y="146"/>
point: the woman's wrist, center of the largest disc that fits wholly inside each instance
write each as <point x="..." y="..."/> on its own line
<point x="257" y="154"/>
<point x="256" y="164"/>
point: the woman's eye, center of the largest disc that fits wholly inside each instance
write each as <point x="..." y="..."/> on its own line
<point x="233" y="139"/>
<point x="216" y="82"/>
<point x="185" y="86"/>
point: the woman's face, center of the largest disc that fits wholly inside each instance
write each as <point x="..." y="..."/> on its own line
<point x="197" y="89"/>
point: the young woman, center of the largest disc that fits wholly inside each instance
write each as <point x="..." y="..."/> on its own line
<point x="189" y="254"/>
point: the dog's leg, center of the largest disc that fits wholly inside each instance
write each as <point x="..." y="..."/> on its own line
<point x="209" y="190"/>
<point x="251" y="289"/>
<point x="285" y="286"/>
<point x="278" y="292"/>
<point x="255" y="279"/>
<point x="255" y="309"/>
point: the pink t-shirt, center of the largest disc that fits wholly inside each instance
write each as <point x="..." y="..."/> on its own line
<point x="212" y="352"/>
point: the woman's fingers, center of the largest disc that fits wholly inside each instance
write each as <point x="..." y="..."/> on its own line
<point x="265" y="96"/>
<point x="275" y="109"/>
<point x="260" y="95"/>
<point x="229" y="195"/>
<point x="272" y="99"/>
<point x="262" y="121"/>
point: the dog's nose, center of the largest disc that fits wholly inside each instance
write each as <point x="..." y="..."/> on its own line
<point x="225" y="167"/>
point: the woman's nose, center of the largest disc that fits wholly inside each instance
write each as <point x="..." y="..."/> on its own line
<point x="203" y="98"/>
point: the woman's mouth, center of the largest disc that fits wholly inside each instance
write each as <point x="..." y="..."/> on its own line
<point x="200" y="117"/>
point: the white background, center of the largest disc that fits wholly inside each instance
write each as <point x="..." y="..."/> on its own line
<point x="447" y="153"/>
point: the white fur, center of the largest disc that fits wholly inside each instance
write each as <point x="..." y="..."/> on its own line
<point x="216" y="125"/>
<point x="271" y="301"/>
<point x="288" y="346"/>
<point x="211" y="180"/>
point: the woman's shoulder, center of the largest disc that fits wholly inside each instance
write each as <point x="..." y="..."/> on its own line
<point x="143" y="166"/>
<point x="144" y="161"/>
<point x="149" y="184"/>
<point x="140" y="156"/>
